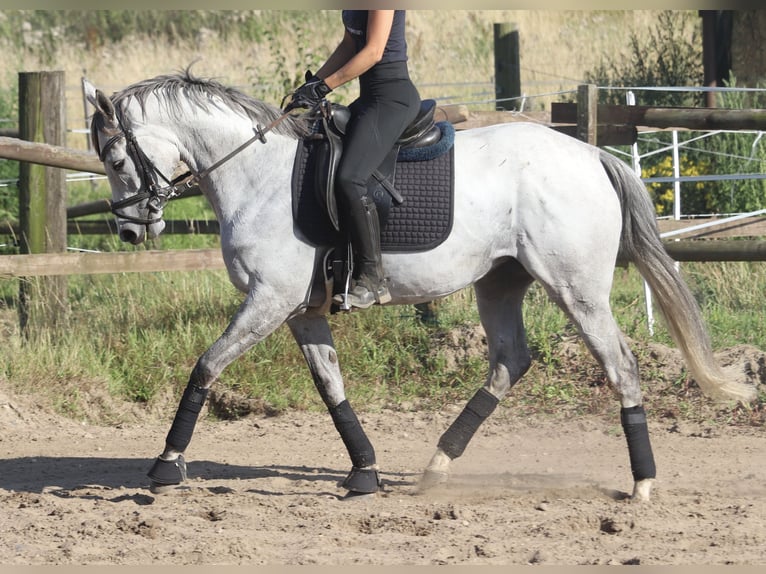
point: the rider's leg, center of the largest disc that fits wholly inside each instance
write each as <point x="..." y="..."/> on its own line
<point x="380" y="116"/>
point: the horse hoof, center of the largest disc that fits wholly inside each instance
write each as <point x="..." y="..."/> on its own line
<point x="430" y="479"/>
<point x="156" y="488"/>
<point x="358" y="496"/>
<point x="167" y="475"/>
<point x="362" y="481"/>
<point x="642" y="490"/>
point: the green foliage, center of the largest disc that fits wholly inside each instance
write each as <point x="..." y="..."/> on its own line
<point x="666" y="58"/>
<point x="284" y="75"/>
<point x="670" y="56"/>
<point x="43" y="30"/>
<point x="9" y="170"/>
<point x="732" y="153"/>
<point x="692" y="194"/>
<point x="726" y="153"/>
<point x="731" y="296"/>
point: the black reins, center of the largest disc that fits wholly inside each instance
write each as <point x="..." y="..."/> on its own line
<point x="157" y="196"/>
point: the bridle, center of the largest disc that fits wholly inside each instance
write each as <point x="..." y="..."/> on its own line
<point x="156" y="195"/>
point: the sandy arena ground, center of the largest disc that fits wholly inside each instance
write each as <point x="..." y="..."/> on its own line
<point x="265" y="491"/>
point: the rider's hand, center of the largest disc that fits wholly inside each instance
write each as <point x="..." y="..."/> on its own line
<point x="309" y="94"/>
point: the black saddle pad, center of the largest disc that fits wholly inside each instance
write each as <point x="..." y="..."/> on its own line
<point x="421" y="223"/>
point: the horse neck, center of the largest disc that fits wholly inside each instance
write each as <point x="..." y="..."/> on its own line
<point x="206" y="138"/>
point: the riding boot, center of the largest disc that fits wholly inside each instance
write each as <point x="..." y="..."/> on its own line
<point x="364" y="227"/>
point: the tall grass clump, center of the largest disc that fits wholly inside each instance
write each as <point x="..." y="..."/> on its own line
<point x="731" y="297"/>
<point x="134" y="335"/>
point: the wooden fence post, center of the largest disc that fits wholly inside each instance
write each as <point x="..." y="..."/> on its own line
<point x="42" y="196"/>
<point x="507" y="69"/>
<point x="587" y="113"/>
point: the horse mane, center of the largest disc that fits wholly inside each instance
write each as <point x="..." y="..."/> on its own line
<point x="205" y="93"/>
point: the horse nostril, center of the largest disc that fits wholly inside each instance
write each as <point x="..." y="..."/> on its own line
<point x="129" y="236"/>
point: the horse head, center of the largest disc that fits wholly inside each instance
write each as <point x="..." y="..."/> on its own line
<point x="135" y="157"/>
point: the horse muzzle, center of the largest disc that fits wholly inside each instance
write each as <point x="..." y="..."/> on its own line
<point x="137" y="233"/>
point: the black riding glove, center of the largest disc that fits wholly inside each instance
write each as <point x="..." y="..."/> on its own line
<point x="309" y="94"/>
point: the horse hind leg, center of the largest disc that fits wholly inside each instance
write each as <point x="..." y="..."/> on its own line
<point x="499" y="297"/>
<point x="591" y="314"/>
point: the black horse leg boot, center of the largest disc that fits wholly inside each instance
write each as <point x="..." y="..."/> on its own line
<point x="364" y="226"/>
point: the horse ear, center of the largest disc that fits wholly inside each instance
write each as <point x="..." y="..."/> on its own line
<point x="89" y="90"/>
<point x="99" y="101"/>
<point x="105" y="105"/>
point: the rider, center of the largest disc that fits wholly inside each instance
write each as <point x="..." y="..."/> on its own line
<point x="374" y="50"/>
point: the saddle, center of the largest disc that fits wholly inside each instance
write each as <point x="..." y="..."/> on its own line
<point x="421" y="133"/>
<point x="422" y="159"/>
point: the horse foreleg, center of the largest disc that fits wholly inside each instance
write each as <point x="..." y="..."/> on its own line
<point x="499" y="296"/>
<point x="312" y="333"/>
<point x="456" y="438"/>
<point x="169" y="469"/>
<point x="248" y="326"/>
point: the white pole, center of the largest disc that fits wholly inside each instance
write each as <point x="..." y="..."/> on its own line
<point x="631" y="101"/>
<point x="676" y="175"/>
<point x="676" y="184"/>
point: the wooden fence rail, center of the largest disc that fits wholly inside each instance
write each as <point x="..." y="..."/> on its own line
<point x="50" y="155"/>
<point x="64" y="264"/>
<point x="666" y="117"/>
<point x="606" y="125"/>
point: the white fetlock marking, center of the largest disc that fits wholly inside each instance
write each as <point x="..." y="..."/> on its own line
<point x="430" y="479"/>
<point x="642" y="490"/>
<point x="436" y="472"/>
<point x="439" y="462"/>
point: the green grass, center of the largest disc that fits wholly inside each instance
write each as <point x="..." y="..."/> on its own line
<point x="136" y="337"/>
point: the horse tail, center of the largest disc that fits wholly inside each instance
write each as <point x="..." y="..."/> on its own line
<point x="641" y="244"/>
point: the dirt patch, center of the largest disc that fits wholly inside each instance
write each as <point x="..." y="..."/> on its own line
<point x="265" y="490"/>
<point x="457" y="345"/>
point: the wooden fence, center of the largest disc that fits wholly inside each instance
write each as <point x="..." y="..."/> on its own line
<point x="42" y="200"/>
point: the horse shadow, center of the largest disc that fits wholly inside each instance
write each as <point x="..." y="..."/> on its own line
<point x="98" y="477"/>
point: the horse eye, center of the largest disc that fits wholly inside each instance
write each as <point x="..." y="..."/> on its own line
<point x="117" y="165"/>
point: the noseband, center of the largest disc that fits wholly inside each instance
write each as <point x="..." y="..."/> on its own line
<point x="157" y="196"/>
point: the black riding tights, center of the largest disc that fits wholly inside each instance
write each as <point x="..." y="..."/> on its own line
<point x="387" y="104"/>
